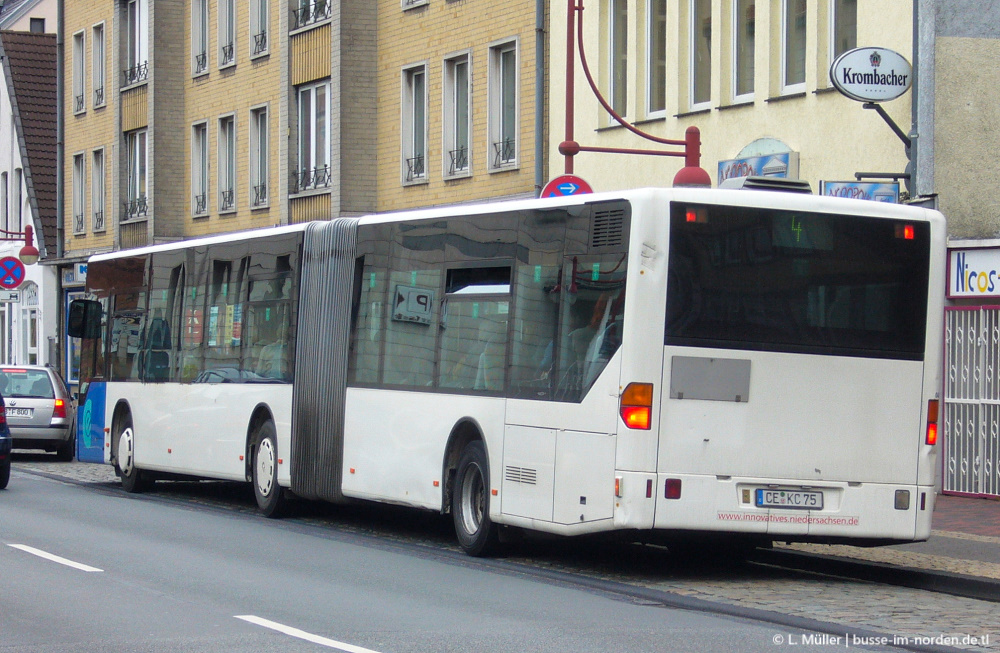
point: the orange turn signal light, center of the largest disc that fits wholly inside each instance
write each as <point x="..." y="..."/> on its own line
<point x="636" y="406"/>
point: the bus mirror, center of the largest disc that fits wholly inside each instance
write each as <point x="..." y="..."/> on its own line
<point x="84" y="319"/>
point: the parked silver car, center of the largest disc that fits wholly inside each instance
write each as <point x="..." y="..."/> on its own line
<point x="40" y="411"/>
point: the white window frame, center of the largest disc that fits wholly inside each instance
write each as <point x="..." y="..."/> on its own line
<point x="137" y="174"/>
<point x="98" y="47"/>
<point x="456" y="163"/>
<point x="18" y="194"/>
<point x="227" y="33"/>
<point x="79" y="194"/>
<point x="795" y="87"/>
<point x="98" y="215"/>
<point x="833" y="29"/>
<point x="79" y="73"/>
<point x="414" y="103"/>
<point x="4" y="200"/>
<point x="259" y="32"/>
<point x="313" y="163"/>
<point x="656" y="62"/>
<point x="696" y="34"/>
<point x="503" y="120"/>
<point x="739" y="24"/>
<point x="199" y="168"/>
<point x="227" y="163"/>
<point x="618" y="30"/>
<point x="412" y="4"/>
<point x="259" y="195"/>
<point x="137" y="33"/>
<point x="199" y="37"/>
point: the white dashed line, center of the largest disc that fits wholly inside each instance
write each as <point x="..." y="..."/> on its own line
<point x="301" y="634"/>
<point x="54" y="558"/>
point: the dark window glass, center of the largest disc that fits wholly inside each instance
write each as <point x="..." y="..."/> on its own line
<point x="761" y="279"/>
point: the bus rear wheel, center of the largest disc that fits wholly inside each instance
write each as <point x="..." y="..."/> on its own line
<point x="134" y="480"/>
<point x="270" y="496"/>
<point x="470" y="503"/>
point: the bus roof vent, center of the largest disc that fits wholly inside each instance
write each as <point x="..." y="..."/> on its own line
<point x="607" y="228"/>
<point x="768" y="183"/>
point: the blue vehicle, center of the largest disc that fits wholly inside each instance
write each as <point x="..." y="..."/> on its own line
<point x="5" y="445"/>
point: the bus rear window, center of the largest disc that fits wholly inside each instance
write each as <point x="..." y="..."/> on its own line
<point x="764" y="279"/>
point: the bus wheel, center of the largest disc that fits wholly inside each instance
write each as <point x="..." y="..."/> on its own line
<point x="133" y="479"/>
<point x="470" y="503"/>
<point x="270" y="496"/>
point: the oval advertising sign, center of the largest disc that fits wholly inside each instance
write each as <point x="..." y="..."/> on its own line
<point x="871" y="74"/>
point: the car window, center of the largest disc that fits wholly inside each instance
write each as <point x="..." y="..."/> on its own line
<point x="20" y="382"/>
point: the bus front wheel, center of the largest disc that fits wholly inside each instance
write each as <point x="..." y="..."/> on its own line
<point x="134" y="480"/>
<point x="470" y="503"/>
<point x="270" y="496"/>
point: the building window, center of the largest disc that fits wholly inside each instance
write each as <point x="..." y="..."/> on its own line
<point x="656" y="57"/>
<point x="414" y="104"/>
<point x="137" y="33"/>
<point x="700" y="69"/>
<point x="135" y="203"/>
<point x="227" y="33"/>
<point x="310" y="12"/>
<point x="845" y="27"/>
<point x="97" y="190"/>
<point x="619" y="56"/>
<point x="16" y="200"/>
<point x="79" y="174"/>
<point x="199" y="36"/>
<point x="793" y="46"/>
<point x="457" y="121"/>
<point x="503" y="106"/>
<point x="199" y="169"/>
<point x="37" y="25"/>
<point x="314" y="138"/>
<point x="258" y="27"/>
<point x="744" y="28"/>
<point x="258" y="157"/>
<point x="79" y="71"/>
<point x="227" y="164"/>
<point x="97" y="64"/>
<point x="4" y="206"/>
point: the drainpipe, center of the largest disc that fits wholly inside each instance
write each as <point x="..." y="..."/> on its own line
<point x="60" y="246"/>
<point x="539" y="96"/>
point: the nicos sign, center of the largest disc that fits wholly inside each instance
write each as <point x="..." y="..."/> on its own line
<point x="871" y="74"/>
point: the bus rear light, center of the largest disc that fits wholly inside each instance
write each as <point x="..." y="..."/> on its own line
<point x="636" y="406"/>
<point x="618" y="486"/>
<point x="59" y="409"/>
<point x="905" y="231"/>
<point x="932" y="418"/>
<point x="672" y="490"/>
<point x="649" y="488"/>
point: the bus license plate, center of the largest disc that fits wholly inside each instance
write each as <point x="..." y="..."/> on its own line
<point x="797" y="499"/>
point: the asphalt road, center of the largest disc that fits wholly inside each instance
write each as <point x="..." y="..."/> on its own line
<point x="95" y="570"/>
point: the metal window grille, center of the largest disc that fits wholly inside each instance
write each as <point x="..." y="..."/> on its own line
<point x="311" y="12"/>
<point x="200" y="62"/>
<point x="98" y="220"/>
<point x="459" y="160"/>
<point x="78" y="103"/>
<point x="260" y="42"/>
<point x="135" y="74"/>
<point x="200" y="204"/>
<point x="415" y="168"/>
<point x="227" y="200"/>
<point x="504" y="151"/>
<point x="311" y="179"/>
<point x="227" y="54"/>
<point x="99" y="96"/>
<point x="260" y="195"/>
<point x="78" y="226"/>
<point x="136" y="207"/>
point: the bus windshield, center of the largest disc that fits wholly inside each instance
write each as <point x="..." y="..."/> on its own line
<point x="790" y="281"/>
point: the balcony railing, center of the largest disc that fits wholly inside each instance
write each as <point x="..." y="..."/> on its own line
<point x="227" y="54"/>
<point x="227" y="200"/>
<point x="135" y="74"/>
<point x="311" y="12"/>
<point x="78" y="225"/>
<point x="99" y="97"/>
<point x="504" y="151"/>
<point x="200" y="204"/>
<point x="260" y="195"/>
<point x="99" y="221"/>
<point x="415" y="168"/>
<point x="311" y="179"/>
<point x="200" y="63"/>
<point x="260" y="42"/>
<point x="78" y="103"/>
<point x="135" y="207"/>
<point x="459" y="160"/>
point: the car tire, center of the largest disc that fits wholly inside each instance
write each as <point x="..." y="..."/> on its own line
<point x="5" y="472"/>
<point x="270" y="496"/>
<point x="134" y="480"/>
<point x="67" y="450"/>
<point x="470" y="503"/>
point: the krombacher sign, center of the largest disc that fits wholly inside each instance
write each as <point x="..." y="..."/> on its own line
<point x="871" y="74"/>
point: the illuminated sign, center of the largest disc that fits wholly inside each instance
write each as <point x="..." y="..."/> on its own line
<point x="974" y="273"/>
<point x="783" y="164"/>
<point x="861" y="190"/>
<point x="871" y="74"/>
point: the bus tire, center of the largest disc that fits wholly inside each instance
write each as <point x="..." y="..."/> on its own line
<point x="270" y="496"/>
<point x="470" y="503"/>
<point x="134" y="480"/>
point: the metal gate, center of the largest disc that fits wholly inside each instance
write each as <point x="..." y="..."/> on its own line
<point x="972" y="400"/>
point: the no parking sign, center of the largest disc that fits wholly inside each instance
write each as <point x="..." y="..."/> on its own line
<point x="566" y="185"/>
<point x="11" y="273"/>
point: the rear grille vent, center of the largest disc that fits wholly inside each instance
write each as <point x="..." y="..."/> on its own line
<point x="521" y="475"/>
<point x="607" y="229"/>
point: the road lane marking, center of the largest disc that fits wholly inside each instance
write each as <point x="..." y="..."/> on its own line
<point x="301" y="634"/>
<point x="54" y="558"/>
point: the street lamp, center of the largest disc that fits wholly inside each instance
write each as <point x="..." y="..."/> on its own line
<point x="28" y="253"/>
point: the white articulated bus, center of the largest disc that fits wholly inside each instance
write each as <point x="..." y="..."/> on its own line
<point x="668" y="361"/>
